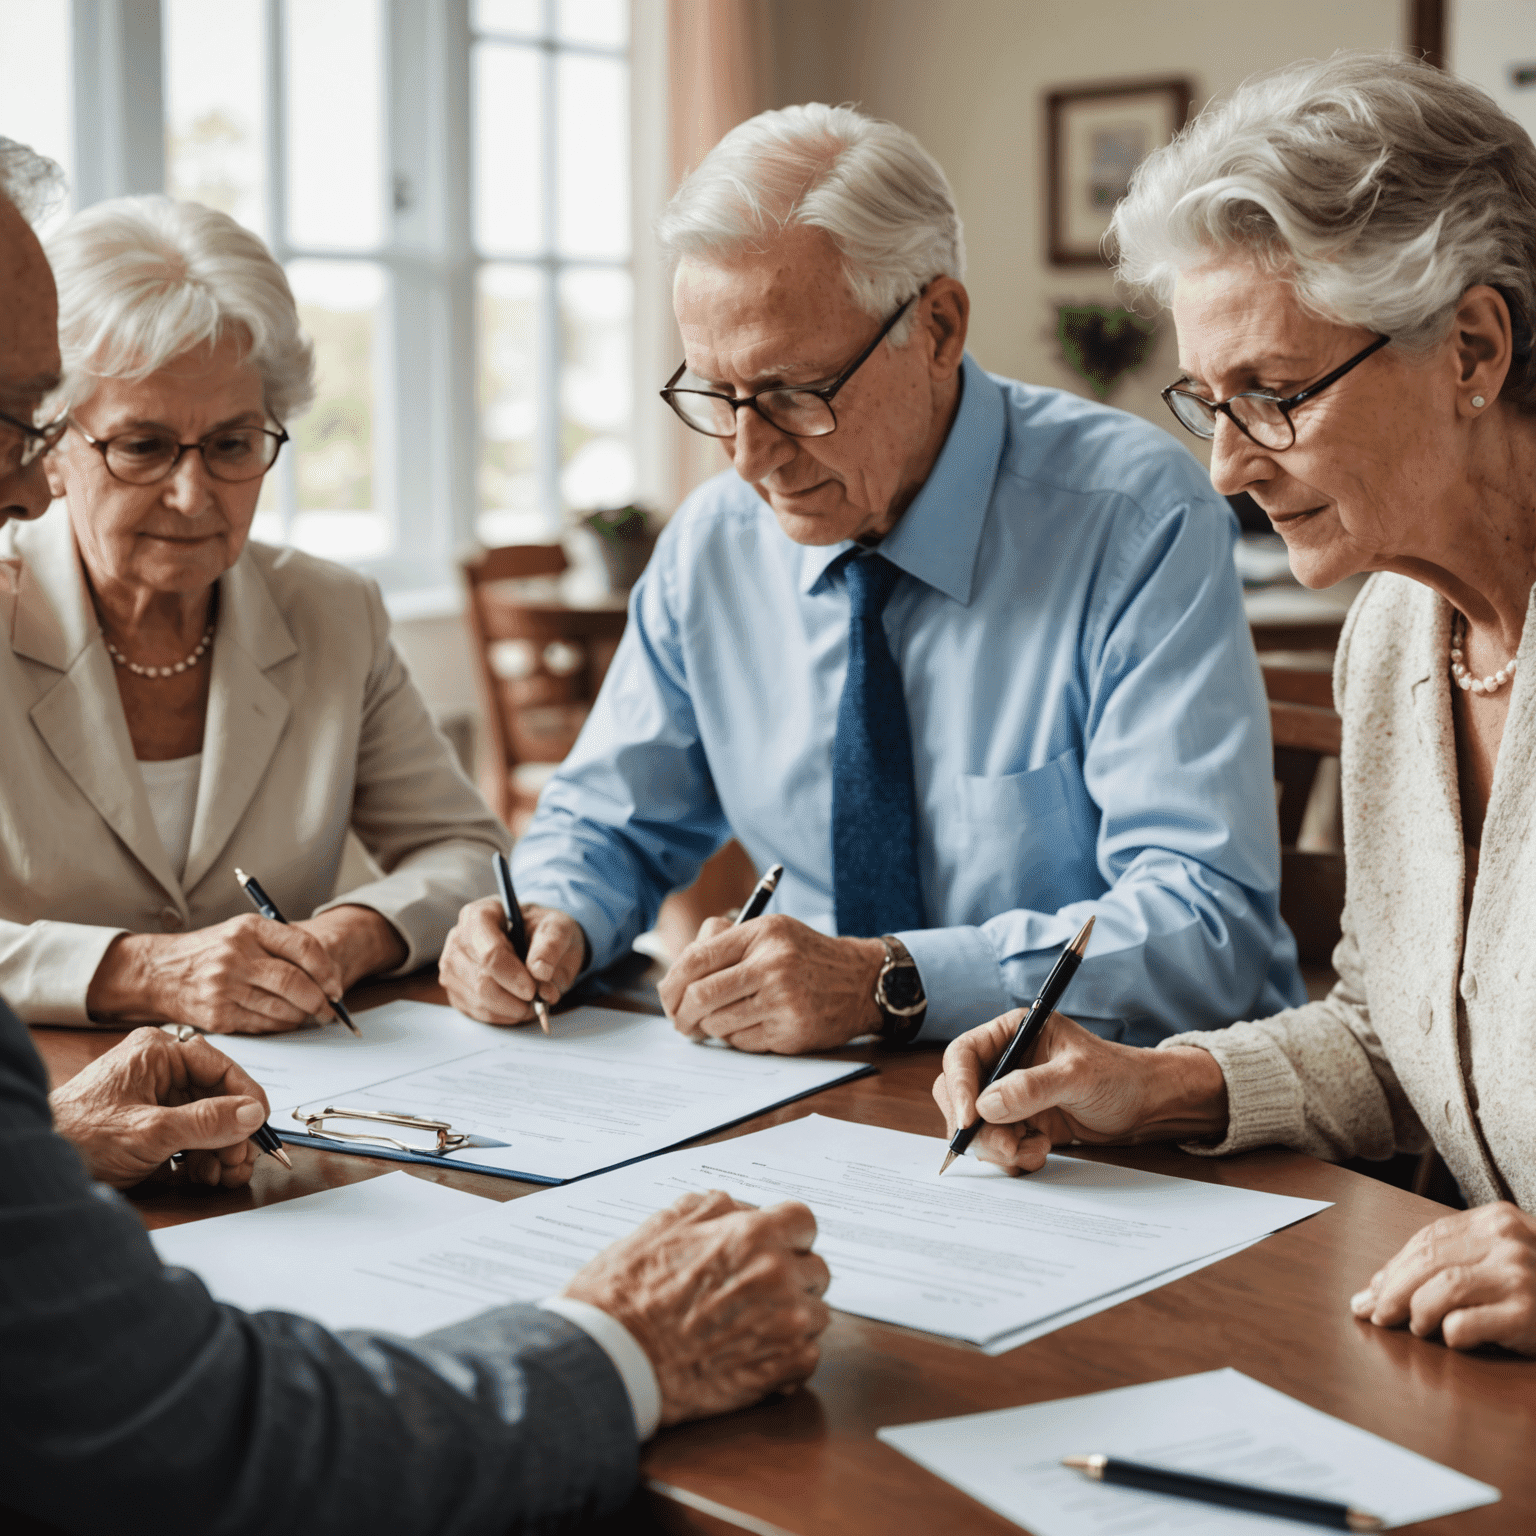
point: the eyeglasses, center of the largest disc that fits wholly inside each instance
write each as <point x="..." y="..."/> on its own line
<point x="1263" y="419"/>
<point x="232" y="454"/>
<point x="21" y="443"/>
<point x="798" y="412"/>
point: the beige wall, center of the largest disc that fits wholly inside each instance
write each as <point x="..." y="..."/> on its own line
<point x="968" y="78"/>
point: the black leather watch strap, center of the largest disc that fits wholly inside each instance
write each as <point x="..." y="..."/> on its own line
<point x="899" y="994"/>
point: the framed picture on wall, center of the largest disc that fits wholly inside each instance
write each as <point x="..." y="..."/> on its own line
<point x="1096" y="135"/>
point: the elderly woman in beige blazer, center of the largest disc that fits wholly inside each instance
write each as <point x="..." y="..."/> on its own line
<point x="177" y="701"/>
<point x="1349" y="252"/>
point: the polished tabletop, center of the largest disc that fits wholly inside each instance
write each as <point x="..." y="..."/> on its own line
<point x="810" y="1464"/>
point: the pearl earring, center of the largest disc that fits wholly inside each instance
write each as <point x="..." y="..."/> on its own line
<point x="1478" y="401"/>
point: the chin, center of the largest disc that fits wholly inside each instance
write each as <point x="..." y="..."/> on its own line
<point x="816" y="529"/>
<point x="1319" y="562"/>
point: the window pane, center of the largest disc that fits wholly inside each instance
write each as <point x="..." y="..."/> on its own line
<point x="215" y="107"/>
<point x="335" y="124"/>
<point x="341" y="305"/>
<point x="508" y="327"/>
<point x="604" y="22"/>
<point x="594" y="156"/>
<point x="525" y="17"/>
<point x="35" y="81"/>
<point x="596" y="390"/>
<point x="508" y="150"/>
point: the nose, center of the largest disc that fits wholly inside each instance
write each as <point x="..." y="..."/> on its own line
<point x="188" y="486"/>
<point x="1236" y="460"/>
<point x="24" y="493"/>
<point x="759" y="447"/>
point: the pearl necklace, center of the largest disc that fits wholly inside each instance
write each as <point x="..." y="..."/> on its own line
<point x="1464" y="679"/>
<point x="181" y="666"/>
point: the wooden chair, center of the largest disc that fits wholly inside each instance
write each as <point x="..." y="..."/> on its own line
<point x="1306" y="730"/>
<point x="538" y="663"/>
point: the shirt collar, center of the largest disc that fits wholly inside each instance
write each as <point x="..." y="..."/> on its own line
<point x="938" y="535"/>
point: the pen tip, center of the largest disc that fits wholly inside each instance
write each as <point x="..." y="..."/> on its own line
<point x="283" y="1158"/>
<point x="949" y="1157"/>
<point x="1092" y="1465"/>
<point x="541" y="1008"/>
<point x="1080" y="943"/>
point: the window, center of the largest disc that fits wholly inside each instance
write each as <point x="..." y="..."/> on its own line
<point x="454" y="209"/>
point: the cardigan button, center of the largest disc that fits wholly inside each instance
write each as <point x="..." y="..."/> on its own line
<point x="1426" y="1015"/>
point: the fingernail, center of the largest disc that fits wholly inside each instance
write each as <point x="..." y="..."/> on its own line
<point x="542" y="969"/>
<point x="250" y="1114"/>
<point x="1360" y="1303"/>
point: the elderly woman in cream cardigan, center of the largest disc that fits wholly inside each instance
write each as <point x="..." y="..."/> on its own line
<point x="1349" y="253"/>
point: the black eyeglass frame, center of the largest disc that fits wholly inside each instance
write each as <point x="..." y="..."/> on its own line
<point x="38" y="440"/>
<point x="825" y="394"/>
<point x="1284" y="404"/>
<point x="103" y="446"/>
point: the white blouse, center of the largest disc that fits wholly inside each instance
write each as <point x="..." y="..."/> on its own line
<point x="172" y="790"/>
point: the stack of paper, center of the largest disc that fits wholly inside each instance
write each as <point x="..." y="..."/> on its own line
<point x="976" y="1255"/>
<point x="1220" y="1424"/>
<point x="603" y="1089"/>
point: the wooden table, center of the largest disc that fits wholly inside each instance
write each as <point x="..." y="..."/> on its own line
<point x="811" y="1465"/>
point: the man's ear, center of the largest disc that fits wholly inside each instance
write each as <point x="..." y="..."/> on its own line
<point x="54" y="472"/>
<point x="1484" y="346"/>
<point x="944" y="312"/>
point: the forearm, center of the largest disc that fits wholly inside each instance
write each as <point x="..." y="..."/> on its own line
<point x="1185" y="1098"/>
<point x="360" y="940"/>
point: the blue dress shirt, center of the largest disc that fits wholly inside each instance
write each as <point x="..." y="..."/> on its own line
<point x="1088" y="725"/>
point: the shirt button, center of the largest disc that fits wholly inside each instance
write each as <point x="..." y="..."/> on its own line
<point x="1426" y="1015"/>
<point x="1468" y="985"/>
<point x="170" y="921"/>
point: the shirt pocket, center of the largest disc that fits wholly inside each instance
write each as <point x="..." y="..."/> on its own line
<point x="1026" y="840"/>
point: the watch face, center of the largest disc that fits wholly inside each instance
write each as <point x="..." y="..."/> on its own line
<point x="903" y="986"/>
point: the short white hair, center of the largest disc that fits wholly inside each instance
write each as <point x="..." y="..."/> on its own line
<point x="144" y="279"/>
<point x="30" y="182"/>
<point x="870" y="185"/>
<point x="1383" y="188"/>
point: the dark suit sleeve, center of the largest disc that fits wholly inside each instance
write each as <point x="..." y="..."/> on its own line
<point x="131" y="1401"/>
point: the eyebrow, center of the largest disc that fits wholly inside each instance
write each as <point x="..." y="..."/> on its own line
<point x="773" y="379"/>
<point x="245" y="418"/>
<point x="1253" y="368"/>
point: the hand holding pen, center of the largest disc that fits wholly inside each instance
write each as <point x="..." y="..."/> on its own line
<point x="268" y="909"/>
<point x="517" y="928"/>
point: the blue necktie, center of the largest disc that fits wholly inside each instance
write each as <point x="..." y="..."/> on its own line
<point x="875" y="888"/>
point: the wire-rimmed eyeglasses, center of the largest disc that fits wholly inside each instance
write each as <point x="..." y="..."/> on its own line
<point x="146" y="456"/>
<point x="21" y="442"/>
<point x="1263" y="419"/>
<point x="800" y="412"/>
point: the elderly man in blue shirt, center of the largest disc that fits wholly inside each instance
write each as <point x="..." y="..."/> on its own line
<point x="966" y="656"/>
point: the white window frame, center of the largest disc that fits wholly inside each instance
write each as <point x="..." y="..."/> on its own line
<point x="426" y="427"/>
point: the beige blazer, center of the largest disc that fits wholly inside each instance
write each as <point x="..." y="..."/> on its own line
<point x="314" y="726"/>
<point x="1430" y="1033"/>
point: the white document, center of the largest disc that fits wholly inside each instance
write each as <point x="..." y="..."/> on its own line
<point x="602" y="1089"/>
<point x="244" y="1258"/>
<point x="1221" y="1424"/>
<point x="974" y="1257"/>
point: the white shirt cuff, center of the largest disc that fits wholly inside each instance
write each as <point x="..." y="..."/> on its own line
<point x="629" y="1360"/>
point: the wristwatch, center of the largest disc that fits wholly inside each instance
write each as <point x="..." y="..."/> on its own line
<point x="899" y="994"/>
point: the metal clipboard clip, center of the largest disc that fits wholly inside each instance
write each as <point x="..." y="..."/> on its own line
<point x="448" y="1140"/>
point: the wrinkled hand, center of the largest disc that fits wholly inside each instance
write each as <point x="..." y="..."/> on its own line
<point x="724" y="1299"/>
<point x="1076" y="1087"/>
<point x="1471" y="1275"/>
<point x="774" y="984"/>
<point x="483" y="976"/>
<point x="152" y="1096"/>
<point x="249" y="976"/>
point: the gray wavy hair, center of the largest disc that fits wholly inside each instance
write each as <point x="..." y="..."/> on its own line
<point x="1382" y="187"/>
<point x="870" y="185"/>
<point x="31" y="182"/>
<point x="143" y="279"/>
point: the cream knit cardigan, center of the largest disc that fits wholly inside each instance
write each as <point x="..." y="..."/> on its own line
<point x="1430" y="1033"/>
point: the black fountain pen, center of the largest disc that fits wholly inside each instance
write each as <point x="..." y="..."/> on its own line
<point x="762" y="894"/>
<point x="1017" y="1053"/>
<point x="517" y="929"/>
<point x="1214" y="1490"/>
<point x="268" y="909"/>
